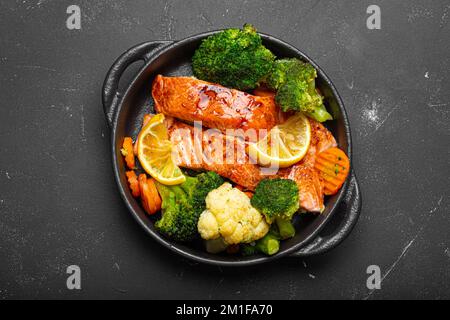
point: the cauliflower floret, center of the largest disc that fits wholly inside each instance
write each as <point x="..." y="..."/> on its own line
<point x="207" y="226"/>
<point x="230" y="215"/>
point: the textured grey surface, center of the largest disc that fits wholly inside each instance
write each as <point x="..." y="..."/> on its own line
<point x="58" y="200"/>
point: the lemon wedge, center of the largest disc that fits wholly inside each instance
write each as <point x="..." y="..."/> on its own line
<point x="285" y="144"/>
<point x="155" y="152"/>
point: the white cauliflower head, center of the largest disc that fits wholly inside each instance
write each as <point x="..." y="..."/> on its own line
<point x="230" y="215"/>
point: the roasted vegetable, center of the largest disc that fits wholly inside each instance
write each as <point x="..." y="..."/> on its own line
<point x="333" y="166"/>
<point x="278" y="200"/>
<point x="128" y="152"/>
<point x="182" y="205"/>
<point x="133" y="182"/>
<point x="233" y="58"/>
<point x="151" y="201"/>
<point x="294" y="81"/>
<point x="229" y="215"/>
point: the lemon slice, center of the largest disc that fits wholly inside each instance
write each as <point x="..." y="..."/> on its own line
<point x="285" y="145"/>
<point x="155" y="152"/>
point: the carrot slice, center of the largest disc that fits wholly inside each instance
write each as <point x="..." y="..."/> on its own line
<point x="144" y="190"/>
<point x="133" y="182"/>
<point x="157" y="202"/>
<point x="333" y="166"/>
<point x="151" y="201"/>
<point x="128" y="152"/>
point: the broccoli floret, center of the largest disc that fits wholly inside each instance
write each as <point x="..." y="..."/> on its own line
<point x="178" y="220"/>
<point x="234" y="58"/>
<point x="294" y="81"/>
<point x="279" y="72"/>
<point x="206" y="182"/>
<point x="278" y="200"/>
<point x="183" y="204"/>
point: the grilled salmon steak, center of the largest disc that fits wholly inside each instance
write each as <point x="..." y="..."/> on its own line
<point x="211" y="150"/>
<point x="308" y="180"/>
<point x="189" y="99"/>
<point x="196" y="148"/>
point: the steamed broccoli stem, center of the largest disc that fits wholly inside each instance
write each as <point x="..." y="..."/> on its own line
<point x="189" y="185"/>
<point x="285" y="228"/>
<point x="269" y="244"/>
<point x="319" y="114"/>
<point x="168" y="195"/>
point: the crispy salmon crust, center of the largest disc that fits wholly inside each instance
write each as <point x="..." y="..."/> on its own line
<point x="190" y="99"/>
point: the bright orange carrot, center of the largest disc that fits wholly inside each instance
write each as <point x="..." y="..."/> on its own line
<point x="151" y="201"/>
<point x="128" y="152"/>
<point x="133" y="182"/>
<point x="156" y="199"/>
<point x="333" y="166"/>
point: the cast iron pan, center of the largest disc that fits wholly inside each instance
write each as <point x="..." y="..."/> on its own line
<point x="124" y="113"/>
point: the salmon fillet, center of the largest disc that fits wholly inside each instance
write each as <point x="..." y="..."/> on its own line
<point x="190" y="99"/>
<point x="217" y="148"/>
<point x="210" y="150"/>
<point x="308" y="180"/>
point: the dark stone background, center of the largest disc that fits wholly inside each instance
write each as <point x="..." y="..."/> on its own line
<point x="59" y="204"/>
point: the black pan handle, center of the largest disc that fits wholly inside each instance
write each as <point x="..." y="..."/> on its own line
<point x="345" y="217"/>
<point x="110" y="94"/>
